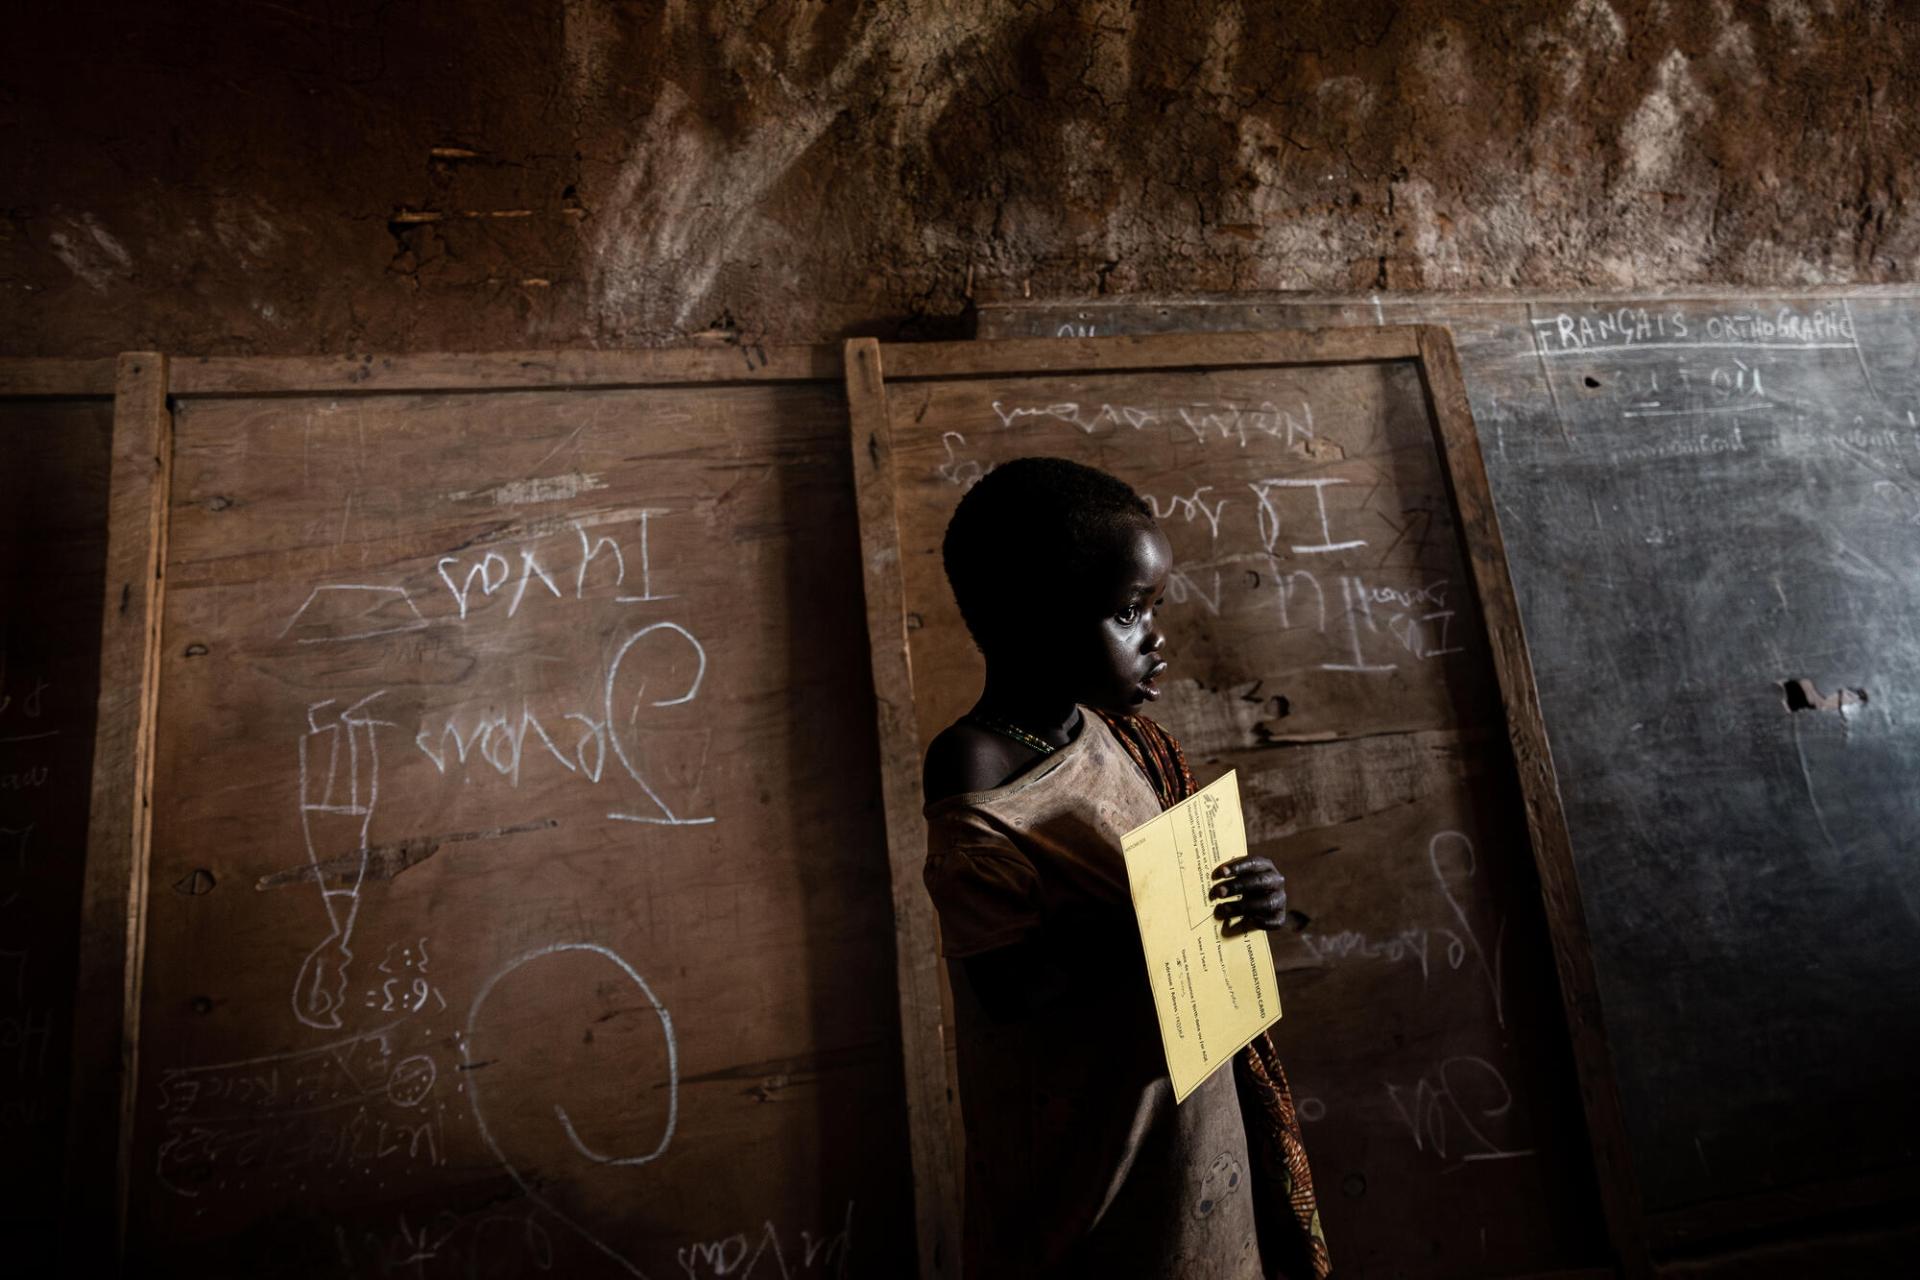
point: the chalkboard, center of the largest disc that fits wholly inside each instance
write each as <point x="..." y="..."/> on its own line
<point x="1712" y="510"/>
<point x="1341" y="633"/>
<point x="516" y="898"/>
<point x="56" y="425"/>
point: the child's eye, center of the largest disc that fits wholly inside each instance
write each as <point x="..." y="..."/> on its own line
<point x="1128" y="616"/>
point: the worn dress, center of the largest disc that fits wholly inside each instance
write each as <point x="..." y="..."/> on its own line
<point x="1078" y="1160"/>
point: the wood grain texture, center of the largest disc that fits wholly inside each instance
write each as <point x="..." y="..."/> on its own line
<point x="1326" y="644"/>
<point x="55" y="378"/>
<point x="459" y="371"/>
<point x="106" y="1035"/>
<point x="1479" y="527"/>
<point x="1325" y="346"/>
<point x="56" y="446"/>
<point x="518" y="896"/>
<point x="924" y="1049"/>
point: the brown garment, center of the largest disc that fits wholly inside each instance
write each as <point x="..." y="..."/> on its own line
<point x="1078" y="1160"/>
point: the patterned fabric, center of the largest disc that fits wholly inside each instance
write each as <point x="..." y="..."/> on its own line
<point x="1292" y="1244"/>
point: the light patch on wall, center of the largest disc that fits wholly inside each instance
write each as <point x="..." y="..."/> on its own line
<point x="1441" y="58"/>
<point x="1793" y="15"/>
<point x="588" y="31"/>
<point x="1223" y="42"/>
<point x="1735" y="41"/>
<point x="1589" y="32"/>
<point x="91" y="252"/>
<point x="685" y="197"/>
<point x="243" y="228"/>
<point x="1656" y="133"/>
<point x="1109" y="71"/>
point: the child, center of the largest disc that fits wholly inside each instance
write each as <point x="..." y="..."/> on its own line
<point x="1078" y="1161"/>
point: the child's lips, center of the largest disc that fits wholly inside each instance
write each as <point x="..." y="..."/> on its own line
<point x="1147" y="685"/>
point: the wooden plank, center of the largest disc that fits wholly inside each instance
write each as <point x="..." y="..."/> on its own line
<point x="501" y="370"/>
<point x="1439" y="1091"/>
<point x="1172" y="351"/>
<point x="500" y="725"/>
<point x="935" y="1169"/>
<point x="1479" y="528"/>
<point x="1009" y="318"/>
<point x="55" y="378"/>
<point x="113" y="903"/>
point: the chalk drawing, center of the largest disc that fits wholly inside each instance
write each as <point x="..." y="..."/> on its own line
<point x="343" y="611"/>
<point x="339" y="790"/>
<point x="475" y="1091"/>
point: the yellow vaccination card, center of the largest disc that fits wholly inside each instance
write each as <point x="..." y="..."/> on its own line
<point x="1214" y="993"/>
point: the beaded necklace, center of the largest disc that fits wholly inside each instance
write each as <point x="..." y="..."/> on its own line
<point x="1006" y="730"/>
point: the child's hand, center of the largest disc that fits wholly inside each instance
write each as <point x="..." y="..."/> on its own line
<point x="1252" y="894"/>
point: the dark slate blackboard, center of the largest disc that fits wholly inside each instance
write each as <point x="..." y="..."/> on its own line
<point x="1712" y="512"/>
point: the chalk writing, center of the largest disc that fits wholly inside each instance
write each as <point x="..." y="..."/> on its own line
<point x="1459" y="942"/>
<point x="451" y="1244"/>
<point x="1204" y="422"/>
<point x="1702" y="444"/>
<point x="500" y="742"/>
<point x="474" y="580"/>
<point x="741" y="1255"/>
<point x="1463" y="1092"/>
<point x="1193" y="506"/>
<point x="1638" y="328"/>
<point x="964" y="472"/>
<point x="1270" y="522"/>
<point x="348" y="1106"/>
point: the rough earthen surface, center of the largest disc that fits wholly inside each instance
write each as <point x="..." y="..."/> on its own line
<point x="341" y="175"/>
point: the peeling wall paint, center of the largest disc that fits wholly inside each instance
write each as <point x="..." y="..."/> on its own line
<point x="240" y="178"/>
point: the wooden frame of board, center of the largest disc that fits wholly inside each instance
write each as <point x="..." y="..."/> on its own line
<point x="146" y="386"/>
<point x="870" y="368"/>
<point x="107" y="943"/>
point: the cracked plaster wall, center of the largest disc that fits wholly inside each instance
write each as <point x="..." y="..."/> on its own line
<point x="344" y="175"/>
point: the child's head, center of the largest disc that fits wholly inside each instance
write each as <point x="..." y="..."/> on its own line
<point x="1057" y="568"/>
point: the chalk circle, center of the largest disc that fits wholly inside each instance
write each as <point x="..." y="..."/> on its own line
<point x="411" y="1080"/>
<point x="565" y="1121"/>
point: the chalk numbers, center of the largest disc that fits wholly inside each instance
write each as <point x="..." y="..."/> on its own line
<point x="406" y="989"/>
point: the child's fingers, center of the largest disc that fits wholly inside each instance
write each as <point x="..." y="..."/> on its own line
<point x="1234" y="866"/>
<point x="1263" y="880"/>
<point x="1261" y="906"/>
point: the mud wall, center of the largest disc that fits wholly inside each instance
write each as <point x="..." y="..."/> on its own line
<point x="364" y="174"/>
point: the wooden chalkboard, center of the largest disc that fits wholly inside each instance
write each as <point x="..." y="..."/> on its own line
<point x="1712" y="509"/>
<point x="516" y="896"/>
<point x="56" y="427"/>
<point x="1342" y="633"/>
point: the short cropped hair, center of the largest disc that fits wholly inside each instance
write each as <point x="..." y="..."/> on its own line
<point x="1029" y="535"/>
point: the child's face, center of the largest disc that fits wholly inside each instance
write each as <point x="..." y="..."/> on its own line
<point x="1113" y="657"/>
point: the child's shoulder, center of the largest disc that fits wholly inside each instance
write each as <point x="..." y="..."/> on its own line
<point x="964" y="758"/>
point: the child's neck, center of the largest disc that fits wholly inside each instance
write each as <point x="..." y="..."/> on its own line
<point x="1033" y="705"/>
